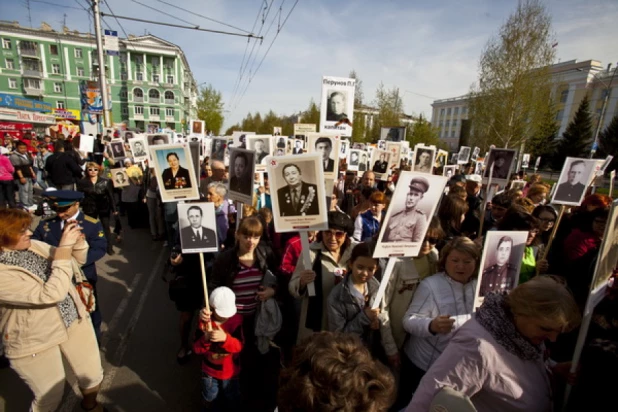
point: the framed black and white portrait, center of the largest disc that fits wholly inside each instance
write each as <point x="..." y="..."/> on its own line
<point x="525" y="161"/>
<point x="261" y="144"/>
<point x="337" y="105"/>
<point x="119" y="177"/>
<point x="240" y="183"/>
<point x="423" y="158"/>
<point x="463" y="156"/>
<point x="198" y="227"/>
<point x="503" y="253"/>
<point x="394" y="148"/>
<point x="502" y="161"/>
<point x="576" y="175"/>
<point x="298" y="192"/>
<point x="117" y="150"/>
<point x="217" y="148"/>
<point x="173" y="166"/>
<point x="139" y="148"/>
<point x="412" y="205"/>
<point x="475" y="154"/>
<point x="327" y="146"/>
<point x="155" y="139"/>
<point x="277" y="131"/>
<point x="450" y="171"/>
<point x="379" y="163"/>
<point x="354" y="160"/>
<point x="441" y="159"/>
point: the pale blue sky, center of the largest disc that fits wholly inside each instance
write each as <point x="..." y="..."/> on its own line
<point x="425" y="48"/>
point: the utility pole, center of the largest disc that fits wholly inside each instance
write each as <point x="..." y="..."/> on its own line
<point x="101" y="55"/>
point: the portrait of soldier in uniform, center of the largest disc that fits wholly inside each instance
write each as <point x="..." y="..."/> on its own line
<point x="573" y="188"/>
<point x="500" y="277"/>
<point x="297" y="198"/>
<point x="423" y="161"/>
<point x="381" y="165"/>
<point x="362" y="164"/>
<point x="336" y="106"/>
<point x="410" y="224"/>
<point x="138" y="149"/>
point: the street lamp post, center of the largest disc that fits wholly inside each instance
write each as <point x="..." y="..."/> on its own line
<point x="608" y="91"/>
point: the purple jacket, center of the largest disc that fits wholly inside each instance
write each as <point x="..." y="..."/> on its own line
<point x="475" y="364"/>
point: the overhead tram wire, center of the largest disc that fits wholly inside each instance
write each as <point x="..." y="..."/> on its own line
<point x="56" y="4"/>
<point x="204" y="17"/>
<point x="269" y="47"/>
<point x="116" y="16"/>
<point x="167" y="14"/>
<point x="244" y="69"/>
<point x="89" y="12"/>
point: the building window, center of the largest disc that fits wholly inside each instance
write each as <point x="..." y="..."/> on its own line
<point x="154" y="111"/>
<point x="138" y="110"/>
<point x="60" y="105"/>
<point x="53" y="49"/>
<point x="447" y="124"/>
<point x="9" y="64"/>
<point x="123" y="76"/>
<point x="123" y="93"/>
<point x="57" y="87"/>
<point x="155" y="78"/>
<point x="464" y="110"/>
<point x="154" y="96"/>
<point x="32" y="83"/>
<point x="456" y="111"/>
<point x="454" y="122"/>
<point x="169" y="112"/>
<point x="452" y="133"/>
<point x="559" y="115"/>
<point x="125" y="111"/>
<point x="79" y="54"/>
<point x="139" y="76"/>
<point x="6" y="43"/>
<point x="55" y="68"/>
<point x="12" y="83"/>
<point x="441" y="123"/>
<point x="441" y="112"/>
<point x="80" y="71"/>
<point x="564" y="95"/>
<point x="170" y="79"/>
<point x="448" y="111"/>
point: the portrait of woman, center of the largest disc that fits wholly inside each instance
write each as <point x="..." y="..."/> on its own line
<point x="175" y="176"/>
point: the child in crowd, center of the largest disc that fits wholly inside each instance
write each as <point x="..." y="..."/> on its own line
<point x="220" y="346"/>
<point x="349" y="304"/>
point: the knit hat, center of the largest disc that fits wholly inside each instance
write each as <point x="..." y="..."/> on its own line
<point x="340" y="221"/>
<point x="223" y="302"/>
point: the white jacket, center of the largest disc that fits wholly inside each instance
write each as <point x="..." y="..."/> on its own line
<point x="437" y="295"/>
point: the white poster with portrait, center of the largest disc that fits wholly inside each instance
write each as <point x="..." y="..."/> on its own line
<point x="464" y="155"/>
<point x="423" y="158"/>
<point x="337" y="105"/>
<point x="262" y="145"/>
<point x="174" y="170"/>
<point x="198" y="128"/>
<point x="412" y="205"/>
<point x="503" y="161"/>
<point x="239" y="139"/>
<point x="117" y="150"/>
<point x="394" y="148"/>
<point x="379" y="163"/>
<point x="240" y="183"/>
<point x="197" y="225"/>
<point x="218" y="145"/>
<point x="576" y="175"/>
<point x="327" y="146"/>
<point x="441" y="159"/>
<point x="297" y="193"/>
<point x="120" y="178"/>
<point x="139" y="148"/>
<point x="280" y="145"/>
<point x="503" y="253"/>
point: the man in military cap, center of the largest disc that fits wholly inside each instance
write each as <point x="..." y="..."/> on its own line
<point x="500" y="277"/>
<point x="410" y="224"/>
<point x="66" y="205"/>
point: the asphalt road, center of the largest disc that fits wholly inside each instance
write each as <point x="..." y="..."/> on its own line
<point x="140" y="338"/>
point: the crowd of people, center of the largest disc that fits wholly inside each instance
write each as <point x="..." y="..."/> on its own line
<point x="264" y="341"/>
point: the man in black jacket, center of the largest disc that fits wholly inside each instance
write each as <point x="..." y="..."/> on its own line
<point x="62" y="169"/>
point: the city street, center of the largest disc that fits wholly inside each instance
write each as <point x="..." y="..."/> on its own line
<point x="140" y="338"/>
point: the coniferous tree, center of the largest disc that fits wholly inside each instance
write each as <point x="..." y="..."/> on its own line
<point x="577" y="138"/>
<point x="544" y="140"/>
<point x="608" y="143"/>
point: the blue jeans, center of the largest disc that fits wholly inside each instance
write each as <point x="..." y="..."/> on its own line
<point x="230" y="389"/>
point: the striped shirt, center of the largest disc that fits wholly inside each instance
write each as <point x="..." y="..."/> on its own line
<point x="245" y="287"/>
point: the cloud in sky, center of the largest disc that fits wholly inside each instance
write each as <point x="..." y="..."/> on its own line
<point x="424" y="49"/>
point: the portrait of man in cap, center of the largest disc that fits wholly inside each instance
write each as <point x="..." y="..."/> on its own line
<point x="409" y="225"/>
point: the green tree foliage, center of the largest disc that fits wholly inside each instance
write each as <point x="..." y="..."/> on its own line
<point x="423" y="132"/>
<point x="359" y="129"/>
<point x="608" y="143"/>
<point x="544" y="140"/>
<point x="514" y="79"/>
<point x="390" y="106"/>
<point x="210" y="108"/>
<point x="577" y="138"/>
<point x="311" y="115"/>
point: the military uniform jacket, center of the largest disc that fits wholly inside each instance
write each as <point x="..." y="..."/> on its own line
<point x="406" y="226"/>
<point x="569" y="193"/>
<point x="49" y="231"/>
<point x="307" y="204"/>
<point x="499" y="279"/>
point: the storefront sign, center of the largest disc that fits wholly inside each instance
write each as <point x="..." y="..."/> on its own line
<point x="68" y="114"/>
<point x="21" y="116"/>
<point x="15" y="130"/>
<point x="23" y="103"/>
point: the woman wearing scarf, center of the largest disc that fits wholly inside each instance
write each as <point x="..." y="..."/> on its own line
<point x="497" y="358"/>
<point x="329" y="257"/>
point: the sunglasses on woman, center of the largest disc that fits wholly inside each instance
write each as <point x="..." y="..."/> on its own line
<point x="339" y="234"/>
<point x="93" y="170"/>
<point x="431" y="240"/>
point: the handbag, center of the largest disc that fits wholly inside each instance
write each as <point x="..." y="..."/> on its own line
<point x="85" y="291"/>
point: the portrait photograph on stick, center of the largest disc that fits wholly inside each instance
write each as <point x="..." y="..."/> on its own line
<point x="240" y="184"/>
<point x="607" y="261"/>
<point x="463" y="156"/>
<point x="423" y="158"/>
<point x="328" y="149"/>
<point x="198" y="228"/>
<point x="139" y="148"/>
<point x="394" y="148"/>
<point x="119" y="177"/>
<point x="413" y="204"/>
<point x="503" y="252"/>
<point x="262" y="145"/>
<point x="117" y="150"/>
<point x="354" y="156"/>
<point x="450" y="171"/>
<point x="337" y="105"/>
<point x="197" y="127"/>
<point x="379" y="163"/>
<point x="574" y="179"/>
<point x="300" y="200"/>
<point x="503" y="161"/>
<point x="441" y="159"/>
<point x="155" y="139"/>
<point x="174" y="170"/>
<point x="217" y="148"/>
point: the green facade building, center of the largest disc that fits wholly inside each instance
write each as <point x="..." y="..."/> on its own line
<point x="150" y="82"/>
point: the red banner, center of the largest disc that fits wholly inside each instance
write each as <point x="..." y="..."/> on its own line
<point x="15" y="130"/>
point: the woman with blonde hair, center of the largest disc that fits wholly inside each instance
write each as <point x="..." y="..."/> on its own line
<point x="497" y="358"/>
<point x="441" y="304"/>
<point x="42" y="318"/>
<point x="537" y="193"/>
